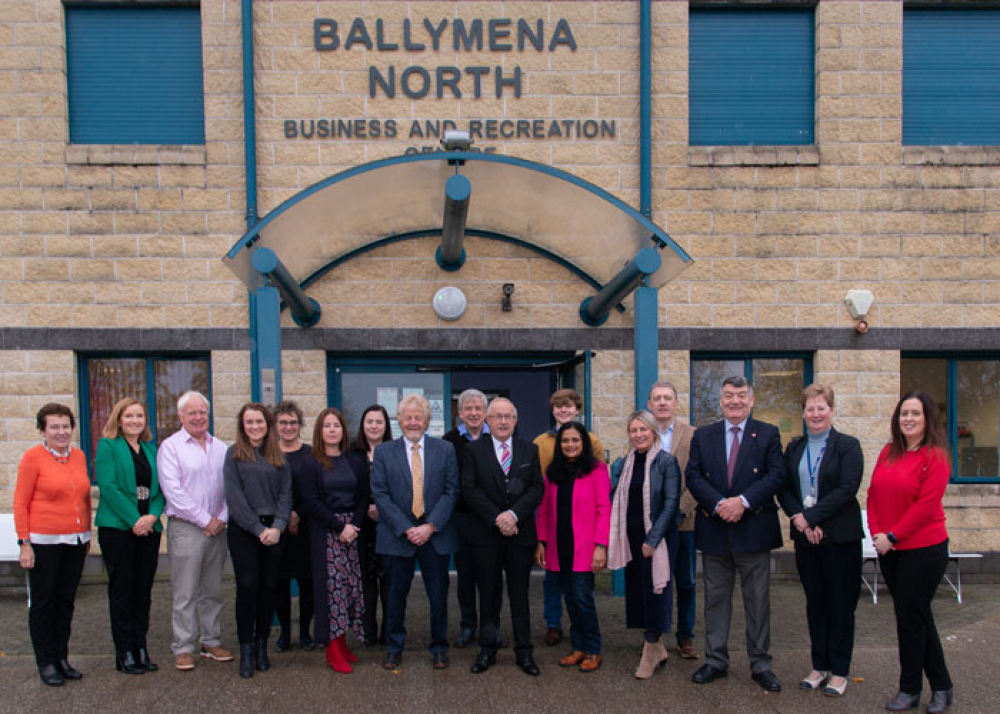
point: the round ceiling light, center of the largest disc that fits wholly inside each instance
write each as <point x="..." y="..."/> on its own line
<point x="449" y="303"/>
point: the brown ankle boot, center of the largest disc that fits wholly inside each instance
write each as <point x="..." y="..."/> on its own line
<point x="654" y="656"/>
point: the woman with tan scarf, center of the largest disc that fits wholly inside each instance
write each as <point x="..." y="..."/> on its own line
<point x="644" y="535"/>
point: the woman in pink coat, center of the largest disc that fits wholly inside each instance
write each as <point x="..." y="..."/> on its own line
<point x="574" y="521"/>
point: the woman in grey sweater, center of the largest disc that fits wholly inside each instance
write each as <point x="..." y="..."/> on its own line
<point x="259" y="498"/>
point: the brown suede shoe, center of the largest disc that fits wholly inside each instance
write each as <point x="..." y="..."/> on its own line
<point x="590" y="663"/>
<point x="184" y="662"/>
<point x="572" y="659"/>
<point x="554" y="636"/>
<point x="219" y="654"/>
<point x="686" y="649"/>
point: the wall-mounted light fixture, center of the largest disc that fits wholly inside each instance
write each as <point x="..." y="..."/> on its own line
<point x="449" y="303"/>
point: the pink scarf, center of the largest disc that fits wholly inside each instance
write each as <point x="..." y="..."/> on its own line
<point x="619" y="553"/>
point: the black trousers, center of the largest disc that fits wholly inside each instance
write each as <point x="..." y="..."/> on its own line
<point x="295" y="563"/>
<point x="374" y="585"/>
<point x="53" y="582"/>
<point x="131" y="562"/>
<point x="831" y="578"/>
<point x="256" y="568"/>
<point x="493" y="563"/>
<point x="465" y="571"/>
<point x="913" y="577"/>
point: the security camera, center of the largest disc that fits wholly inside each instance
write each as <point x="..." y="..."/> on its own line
<point x="508" y="289"/>
<point x="456" y="140"/>
<point x="861" y="326"/>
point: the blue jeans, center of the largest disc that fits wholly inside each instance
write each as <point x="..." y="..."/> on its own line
<point x="584" y="629"/>
<point x="684" y="578"/>
<point x="553" y="593"/>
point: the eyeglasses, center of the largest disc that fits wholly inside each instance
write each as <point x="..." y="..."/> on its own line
<point x="285" y="422"/>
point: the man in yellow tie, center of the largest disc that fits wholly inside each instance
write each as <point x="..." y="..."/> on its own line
<point x="415" y="487"/>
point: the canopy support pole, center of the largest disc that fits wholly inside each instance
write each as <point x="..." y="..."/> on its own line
<point x="450" y="254"/>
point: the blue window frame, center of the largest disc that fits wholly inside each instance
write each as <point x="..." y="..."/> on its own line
<point x="951" y="71"/>
<point x="751" y="77"/>
<point x="778" y="381"/>
<point x="134" y="74"/>
<point x="156" y="380"/>
<point x="966" y="389"/>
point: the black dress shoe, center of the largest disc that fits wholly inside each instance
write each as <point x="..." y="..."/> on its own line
<point x="143" y="661"/>
<point x="707" y="673"/>
<point x="306" y="642"/>
<point x="527" y="665"/>
<point x="283" y="643"/>
<point x="483" y="663"/>
<point x="51" y="675"/>
<point x="464" y="638"/>
<point x="69" y="673"/>
<point x="440" y="660"/>
<point x="127" y="664"/>
<point x="501" y="642"/>
<point x="941" y="699"/>
<point x="767" y="680"/>
<point x="392" y="660"/>
<point x="903" y="702"/>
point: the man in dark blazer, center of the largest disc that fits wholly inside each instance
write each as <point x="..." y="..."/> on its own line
<point x="734" y="471"/>
<point x="415" y="486"/>
<point x="502" y="485"/>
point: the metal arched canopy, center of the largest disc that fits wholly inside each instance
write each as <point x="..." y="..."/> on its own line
<point x="564" y="215"/>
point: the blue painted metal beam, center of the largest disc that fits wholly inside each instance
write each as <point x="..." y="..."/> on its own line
<point x="645" y="109"/>
<point x="265" y="345"/>
<point x="249" y="116"/>
<point x="647" y="342"/>
<point x="450" y="254"/>
<point x="594" y="310"/>
<point x="305" y="311"/>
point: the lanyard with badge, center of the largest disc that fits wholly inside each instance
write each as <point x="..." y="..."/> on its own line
<point x="813" y="467"/>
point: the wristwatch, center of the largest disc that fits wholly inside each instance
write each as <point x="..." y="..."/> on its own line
<point x="22" y="541"/>
<point x="892" y="538"/>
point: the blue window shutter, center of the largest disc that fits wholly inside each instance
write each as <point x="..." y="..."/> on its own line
<point x="751" y="77"/>
<point x="951" y="77"/>
<point x="134" y="75"/>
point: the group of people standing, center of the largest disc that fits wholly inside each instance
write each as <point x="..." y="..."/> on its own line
<point x="350" y="520"/>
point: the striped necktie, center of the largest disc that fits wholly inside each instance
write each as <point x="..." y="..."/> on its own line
<point x="505" y="458"/>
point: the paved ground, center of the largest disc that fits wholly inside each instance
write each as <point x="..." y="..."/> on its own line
<point x="300" y="681"/>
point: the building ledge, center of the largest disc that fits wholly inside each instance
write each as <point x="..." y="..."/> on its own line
<point x="135" y="155"/>
<point x="951" y="155"/>
<point x="753" y="156"/>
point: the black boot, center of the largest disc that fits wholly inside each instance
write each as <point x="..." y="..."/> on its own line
<point x="142" y="659"/>
<point x="51" y="675"/>
<point x="246" y="661"/>
<point x="126" y="662"/>
<point x="260" y="656"/>
<point x="68" y="671"/>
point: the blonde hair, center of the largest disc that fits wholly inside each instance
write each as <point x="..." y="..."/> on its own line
<point x="113" y="426"/>
<point x="414" y="401"/>
<point x="817" y="390"/>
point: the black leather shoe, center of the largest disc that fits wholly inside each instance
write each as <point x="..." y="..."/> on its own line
<point x="483" y="662"/>
<point x="143" y="662"/>
<point x="903" y="702"/>
<point x="464" y="638"/>
<point x="941" y="699"/>
<point x="501" y="642"/>
<point x="306" y="642"/>
<point x="261" y="660"/>
<point x="440" y="660"/>
<point x="768" y="681"/>
<point x="67" y="671"/>
<point x="392" y="660"/>
<point x="246" y="661"/>
<point x="127" y="664"/>
<point x="707" y="673"/>
<point x="282" y="644"/>
<point x="527" y="665"/>
<point x="50" y="675"/>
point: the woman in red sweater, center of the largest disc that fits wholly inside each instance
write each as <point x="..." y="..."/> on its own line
<point x="907" y="523"/>
<point x="52" y="518"/>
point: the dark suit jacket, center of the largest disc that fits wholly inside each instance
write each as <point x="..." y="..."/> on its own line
<point x="760" y="472"/>
<point x="488" y="492"/>
<point x="839" y="477"/>
<point x="392" y="491"/>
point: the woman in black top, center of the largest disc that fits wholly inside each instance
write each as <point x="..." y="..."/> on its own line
<point x="296" y="561"/>
<point x="259" y="498"/>
<point x="373" y="430"/>
<point x="336" y="496"/>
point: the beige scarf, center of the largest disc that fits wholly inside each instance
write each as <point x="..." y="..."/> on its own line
<point x="619" y="553"/>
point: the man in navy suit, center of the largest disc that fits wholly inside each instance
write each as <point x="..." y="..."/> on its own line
<point x="502" y="485"/>
<point x="734" y="471"/>
<point x="415" y="487"/>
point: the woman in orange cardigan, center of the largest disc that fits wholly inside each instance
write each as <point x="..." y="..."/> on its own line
<point x="52" y="518"/>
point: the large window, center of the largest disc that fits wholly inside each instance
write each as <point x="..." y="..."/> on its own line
<point x="751" y="77"/>
<point x="134" y="74"/>
<point x="967" y="391"/>
<point x="157" y="381"/>
<point x="777" y="386"/>
<point x="951" y="71"/>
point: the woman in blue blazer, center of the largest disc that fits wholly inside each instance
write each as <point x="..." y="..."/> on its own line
<point x="128" y="527"/>
<point x="822" y="476"/>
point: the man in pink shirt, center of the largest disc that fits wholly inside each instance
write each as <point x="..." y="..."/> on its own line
<point x="189" y="464"/>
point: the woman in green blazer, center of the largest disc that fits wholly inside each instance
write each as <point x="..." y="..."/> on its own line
<point x="128" y="527"/>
